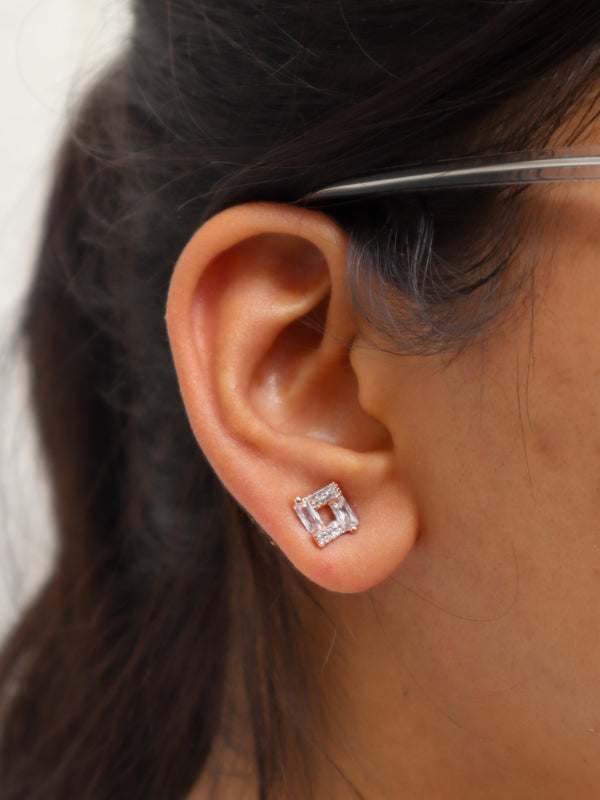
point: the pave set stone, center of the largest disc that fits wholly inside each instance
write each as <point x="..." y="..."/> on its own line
<point x="307" y="509"/>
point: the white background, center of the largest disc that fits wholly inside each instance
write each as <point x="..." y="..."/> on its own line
<point x="49" y="51"/>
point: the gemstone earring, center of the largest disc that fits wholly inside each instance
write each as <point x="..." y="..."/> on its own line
<point x="307" y="509"/>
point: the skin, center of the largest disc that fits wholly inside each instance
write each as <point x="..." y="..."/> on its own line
<point x="462" y="659"/>
<point x="491" y="643"/>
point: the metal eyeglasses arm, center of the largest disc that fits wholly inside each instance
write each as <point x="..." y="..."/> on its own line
<point x="506" y="169"/>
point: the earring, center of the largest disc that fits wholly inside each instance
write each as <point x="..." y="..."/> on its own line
<point x="307" y="509"/>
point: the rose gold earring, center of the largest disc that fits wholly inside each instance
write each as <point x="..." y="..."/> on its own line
<point x="307" y="509"/>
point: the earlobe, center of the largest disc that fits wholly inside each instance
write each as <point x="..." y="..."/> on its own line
<point x="261" y="331"/>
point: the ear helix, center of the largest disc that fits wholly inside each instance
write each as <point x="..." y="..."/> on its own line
<point x="307" y="508"/>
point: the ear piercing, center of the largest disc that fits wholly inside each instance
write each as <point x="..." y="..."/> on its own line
<point x="307" y="509"/>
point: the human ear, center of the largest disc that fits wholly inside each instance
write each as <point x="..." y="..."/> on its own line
<point x="262" y="331"/>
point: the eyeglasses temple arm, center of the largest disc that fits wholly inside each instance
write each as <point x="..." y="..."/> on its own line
<point x="523" y="168"/>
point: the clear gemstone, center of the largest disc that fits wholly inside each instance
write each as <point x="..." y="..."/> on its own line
<point x="344" y="514"/>
<point x="308" y="516"/>
<point x="324" y="495"/>
<point x="328" y="533"/>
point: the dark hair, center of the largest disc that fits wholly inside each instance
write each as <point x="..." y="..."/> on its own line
<point x="164" y="595"/>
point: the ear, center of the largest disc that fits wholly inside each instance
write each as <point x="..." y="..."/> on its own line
<point x="261" y="332"/>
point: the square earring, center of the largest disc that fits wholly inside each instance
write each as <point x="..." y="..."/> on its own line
<point x="307" y="509"/>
